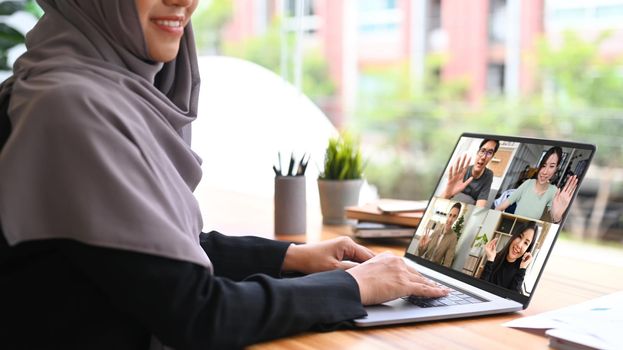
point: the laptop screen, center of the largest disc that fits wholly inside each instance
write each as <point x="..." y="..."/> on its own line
<point x="497" y="210"/>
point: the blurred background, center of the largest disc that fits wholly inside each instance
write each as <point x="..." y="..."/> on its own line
<point x="408" y="76"/>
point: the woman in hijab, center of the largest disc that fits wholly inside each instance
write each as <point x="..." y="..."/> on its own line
<point x="100" y="243"/>
<point x="508" y="267"/>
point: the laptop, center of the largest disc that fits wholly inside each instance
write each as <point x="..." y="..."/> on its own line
<point x="508" y="202"/>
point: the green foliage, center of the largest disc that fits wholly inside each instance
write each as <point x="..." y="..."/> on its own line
<point x="481" y="240"/>
<point x="32" y="7"/>
<point x="265" y="50"/>
<point x="209" y="20"/>
<point x="386" y="174"/>
<point x="411" y="126"/>
<point x="458" y="226"/>
<point x="343" y="160"/>
<point x="582" y="76"/>
<point x="582" y="99"/>
<point x="9" y="7"/>
<point x="317" y="83"/>
<point x="9" y="37"/>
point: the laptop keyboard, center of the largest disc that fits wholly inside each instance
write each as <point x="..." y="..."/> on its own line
<point x="454" y="297"/>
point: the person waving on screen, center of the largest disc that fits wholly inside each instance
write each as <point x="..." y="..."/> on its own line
<point x="471" y="184"/>
<point x="536" y="195"/>
<point x="508" y="267"/>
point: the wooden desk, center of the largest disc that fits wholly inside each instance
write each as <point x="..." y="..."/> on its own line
<point x="573" y="274"/>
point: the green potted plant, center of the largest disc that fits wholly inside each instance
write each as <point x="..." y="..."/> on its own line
<point x="479" y="243"/>
<point x="340" y="180"/>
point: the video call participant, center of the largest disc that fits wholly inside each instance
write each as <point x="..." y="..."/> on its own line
<point x="508" y="267"/>
<point x="472" y="184"/>
<point x="534" y="195"/>
<point x="440" y="246"/>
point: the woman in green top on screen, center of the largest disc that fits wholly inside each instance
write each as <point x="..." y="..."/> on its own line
<point x="534" y="195"/>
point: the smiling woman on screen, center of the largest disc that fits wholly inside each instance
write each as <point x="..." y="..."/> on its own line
<point x="535" y="195"/>
<point x="508" y="267"/>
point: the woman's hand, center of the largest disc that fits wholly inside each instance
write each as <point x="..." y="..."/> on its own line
<point x="337" y="253"/>
<point x="456" y="174"/>
<point x="525" y="260"/>
<point x="563" y="198"/>
<point x="386" y="277"/>
<point x="490" y="249"/>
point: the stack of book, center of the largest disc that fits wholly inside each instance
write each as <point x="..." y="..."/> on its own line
<point x="389" y="218"/>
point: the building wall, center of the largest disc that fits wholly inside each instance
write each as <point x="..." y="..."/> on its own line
<point x="385" y="38"/>
<point x="532" y="29"/>
<point x="331" y="37"/>
<point x="242" y="25"/>
<point x="465" y="24"/>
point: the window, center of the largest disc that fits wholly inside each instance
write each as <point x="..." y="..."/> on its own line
<point x="378" y="16"/>
<point x="497" y="21"/>
<point x="308" y="10"/>
<point x="495" y="78"/>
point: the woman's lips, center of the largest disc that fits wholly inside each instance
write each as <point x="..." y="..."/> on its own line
<point x="173" y="25"/>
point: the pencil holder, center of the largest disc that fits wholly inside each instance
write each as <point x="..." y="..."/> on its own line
<point x="290" y="205"/>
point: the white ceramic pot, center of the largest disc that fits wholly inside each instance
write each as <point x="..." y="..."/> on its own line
<point x="335" y="195"/>
<point x="476" y="251"/>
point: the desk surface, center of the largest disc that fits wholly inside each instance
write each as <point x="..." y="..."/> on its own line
<point x="574" y="273"/>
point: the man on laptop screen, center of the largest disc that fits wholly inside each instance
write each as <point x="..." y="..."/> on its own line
<point x="439" y="247"/>
<point x="507" y="233"/>
<point x="471" y="184"/>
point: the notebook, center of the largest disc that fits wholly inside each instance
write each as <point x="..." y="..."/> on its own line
<point x="497" y="190"/>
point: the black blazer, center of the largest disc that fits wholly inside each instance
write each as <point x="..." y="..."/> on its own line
<point x="65" y="294"/>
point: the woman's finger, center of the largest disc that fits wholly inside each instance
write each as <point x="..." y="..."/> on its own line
<point x="345" y="265"/>
<point x="569" y="185"/>
<point x="414" y="272"/>
<point x="418" y="278"/>
<point x="572" y="184"/>
<point x="359" y="253"/>
<point x="424" y="290"/>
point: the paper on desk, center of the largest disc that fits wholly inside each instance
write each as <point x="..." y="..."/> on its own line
<point x="596" y="323"/>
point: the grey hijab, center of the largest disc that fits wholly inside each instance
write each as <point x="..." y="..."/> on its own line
<point x="99" y="150"/>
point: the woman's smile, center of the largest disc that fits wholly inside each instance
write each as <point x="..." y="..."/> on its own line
<point x="163" y="23"/>
<point x="169" y="24"/>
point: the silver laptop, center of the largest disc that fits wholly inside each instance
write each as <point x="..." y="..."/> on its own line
<point x="487" y="233"/>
